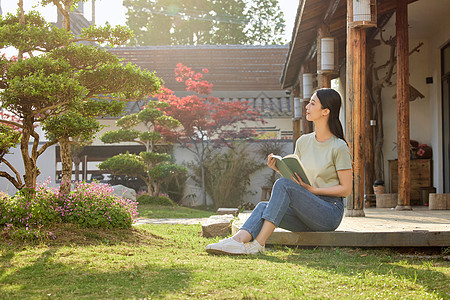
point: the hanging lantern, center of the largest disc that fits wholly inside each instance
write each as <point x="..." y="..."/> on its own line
<point x="297" y="108"/>
<point x="327" y="60"/>
<point x="308" y="85"/>
<point x="362" y="13"/>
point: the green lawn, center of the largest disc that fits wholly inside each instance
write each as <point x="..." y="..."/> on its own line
<point x="157" y="211"/>
<point x="169" y="262"/>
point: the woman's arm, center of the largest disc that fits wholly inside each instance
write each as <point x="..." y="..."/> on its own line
<point x="343" y="189"/>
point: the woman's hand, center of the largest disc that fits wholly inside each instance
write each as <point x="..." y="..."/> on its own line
<point x="298" y="180"/>
<point x="271" y="162"/>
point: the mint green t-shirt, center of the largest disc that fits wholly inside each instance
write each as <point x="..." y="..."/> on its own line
<point x="322" y="160"/>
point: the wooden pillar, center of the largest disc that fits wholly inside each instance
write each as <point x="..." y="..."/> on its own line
<point x="403" y="138"/>
<point x="355" y="103"/>
<point x="296" y="121"/>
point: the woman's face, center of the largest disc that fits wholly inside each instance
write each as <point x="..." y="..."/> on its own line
<point x="314" y="110"/>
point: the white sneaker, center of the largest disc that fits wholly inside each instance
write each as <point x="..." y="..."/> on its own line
<point x="227" y="246"/>
<point x="255" y="248"/>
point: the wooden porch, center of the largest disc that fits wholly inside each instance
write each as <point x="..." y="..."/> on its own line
<point x="381" y="227"/>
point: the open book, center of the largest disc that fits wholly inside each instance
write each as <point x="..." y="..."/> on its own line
<point x="289" y="165"/>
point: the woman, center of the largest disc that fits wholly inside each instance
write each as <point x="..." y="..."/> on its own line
<point x="295" y="205"/>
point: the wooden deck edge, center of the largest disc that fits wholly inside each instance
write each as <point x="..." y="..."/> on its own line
<point x="360" y="239"/>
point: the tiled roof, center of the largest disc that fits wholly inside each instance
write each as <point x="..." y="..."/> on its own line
<point x="231" y="67"/>
<point x="269" y="107"/>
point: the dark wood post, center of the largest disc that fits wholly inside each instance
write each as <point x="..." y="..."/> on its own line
<point x="403" y="138"/>
<point x="355" y="100"/>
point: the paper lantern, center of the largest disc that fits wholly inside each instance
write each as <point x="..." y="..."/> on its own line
<point x="362" y="13"/>
<point x="308" y="85"/>
<point x="327" y="60"/>
<point x="297" y="108"/>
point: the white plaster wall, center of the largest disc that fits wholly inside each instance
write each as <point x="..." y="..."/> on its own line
<point x="46" y="164"/>
<point x="193" y="192"/>
<point x="426" y="113"/>
<point x="437" y="39"/>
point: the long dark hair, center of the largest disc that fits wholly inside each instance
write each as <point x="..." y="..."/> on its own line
<point x="331" y="99"/>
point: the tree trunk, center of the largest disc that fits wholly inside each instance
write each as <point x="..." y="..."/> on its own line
<point x="66" y="161"/>
<point x="76" y="162"/>
<point x="29" y="162"/>
<point x="203" y="185"/>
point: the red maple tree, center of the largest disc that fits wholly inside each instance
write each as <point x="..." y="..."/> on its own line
<point x="207" y="122"/>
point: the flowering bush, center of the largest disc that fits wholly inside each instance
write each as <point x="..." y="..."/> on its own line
<point x="29" y="209"/>
<point x="89" y="205"/>
<point x="92" y="205"/>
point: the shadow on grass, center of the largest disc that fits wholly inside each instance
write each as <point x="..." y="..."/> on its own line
<point x="360" y="263"/>
<point x="47" y="278"/>
<point x="106" y="269"/>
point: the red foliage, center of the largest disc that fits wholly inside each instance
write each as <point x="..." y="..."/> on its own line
<point x="205" y="118"/>
<point x="10" y="120"/>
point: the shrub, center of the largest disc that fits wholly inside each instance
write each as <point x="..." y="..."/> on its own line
<point x="89" y="205"/>
<point x="30" y="209"/>
<point x="162" y="200"/>
<point x="228" y="175"/>
<point x="27" y="212"/>
<point x="92" y="205"/>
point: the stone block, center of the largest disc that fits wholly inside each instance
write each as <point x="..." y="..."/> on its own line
<point x="228" y="211"/>
<point x="217" y="225"/>
<point x="439" y="201"/>
<point x="124" y="192"/>
<point x="386" y="200"/>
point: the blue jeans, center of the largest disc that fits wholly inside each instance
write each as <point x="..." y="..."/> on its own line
<point x="294" y="208"/>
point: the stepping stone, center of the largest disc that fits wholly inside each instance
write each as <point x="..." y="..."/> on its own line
<point x="217" y="225"/>
<point x="226" y="211"/>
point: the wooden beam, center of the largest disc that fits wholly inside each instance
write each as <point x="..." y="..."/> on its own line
<point x="362" y="239"/>
<point x="389" y="6"/>
<point x="332" y="7"/>
<point x="403" y="136"/>
<point x="355" y="100"/>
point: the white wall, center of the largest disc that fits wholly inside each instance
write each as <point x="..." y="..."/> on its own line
<point x="257" y="180"/>
<point x="425" y="114"/>
<point x="46" y="164"/>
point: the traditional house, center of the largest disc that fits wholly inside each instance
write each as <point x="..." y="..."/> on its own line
<point x="238" y="73"/>
<point x="390" y="61"/>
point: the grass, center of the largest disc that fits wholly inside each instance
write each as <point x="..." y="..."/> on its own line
<point x="169" y="262"/>
<point x="157" y="211"/>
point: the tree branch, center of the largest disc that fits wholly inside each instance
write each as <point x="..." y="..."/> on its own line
<point x="11" y="123"/>
<point x="45" y="146"/>
<point x="16" y="182"/>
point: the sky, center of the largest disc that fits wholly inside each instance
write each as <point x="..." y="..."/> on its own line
<point x="114" y="12"/>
